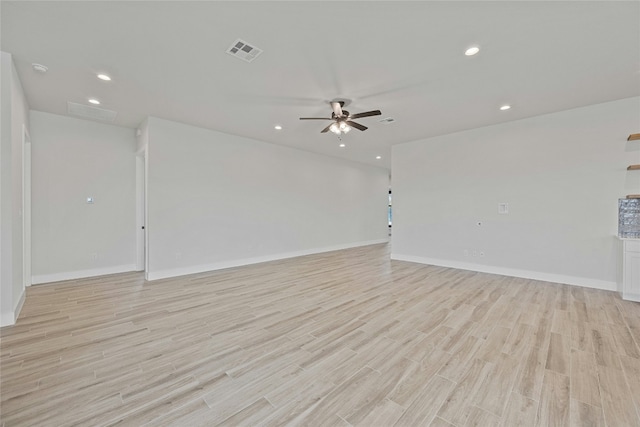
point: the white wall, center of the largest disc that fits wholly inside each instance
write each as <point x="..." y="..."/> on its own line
<point x="217" y="200"/>
<point x="562" y="175"/>
<point x="14" y="112"/>
<point x="73" y="159"/>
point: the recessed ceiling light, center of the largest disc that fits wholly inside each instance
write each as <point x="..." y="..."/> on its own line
<point x="505" y="107"/>
<point x="378" y="157"/>
<point x="472" y="51"/>
<point x="104" y="77"/>
<point x="40" y="68"/>
<point x="277" y="127"/>
<point x="342" y="145"/>
<point x="94" y="101"/>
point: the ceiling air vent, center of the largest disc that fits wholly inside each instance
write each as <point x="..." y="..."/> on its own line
<point x="387" y="120"/>
<point x="243" y="50"/>
<point x="88" y="112"/>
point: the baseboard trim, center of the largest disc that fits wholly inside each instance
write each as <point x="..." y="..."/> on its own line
<point x="9" y="318"/>
<point x="18" y="308"/>
<point x="183" y="271"/>
<point x="81" y="274"/>
<point x="631" y="297"/>
<point x="513" y="272"/>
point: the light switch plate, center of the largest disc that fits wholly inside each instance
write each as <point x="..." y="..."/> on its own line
<point x="503" y="208"/>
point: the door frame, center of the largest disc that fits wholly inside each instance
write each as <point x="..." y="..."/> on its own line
<point x="26" y="207"/>
<point x="141" y="208"/>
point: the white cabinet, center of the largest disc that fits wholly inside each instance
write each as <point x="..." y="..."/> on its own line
<point x="631" y="269"/>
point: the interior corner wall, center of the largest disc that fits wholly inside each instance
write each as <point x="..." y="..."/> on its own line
<point x="216" y="200"/>
<point x="14" y="112"/>
<point x="6" y="229"/>
<point x="561" y="175"/>
<point x="73" y="159"/>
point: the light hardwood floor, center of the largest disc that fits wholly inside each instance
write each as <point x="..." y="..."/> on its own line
<point x="342" y="338"/>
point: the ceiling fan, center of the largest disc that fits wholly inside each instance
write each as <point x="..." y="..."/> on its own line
<point x="342" y="119"/>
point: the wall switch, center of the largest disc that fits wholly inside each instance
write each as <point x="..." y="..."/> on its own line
<point x="503" y="208"/>
<point x="94" y="256"/>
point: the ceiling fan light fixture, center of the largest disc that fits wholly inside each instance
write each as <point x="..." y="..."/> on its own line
<point x="343" y="120"/>
<point x="40" y="68"/>
<point x="472" y="51"/>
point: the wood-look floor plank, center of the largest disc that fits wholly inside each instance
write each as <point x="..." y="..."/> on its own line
<point x="425" y="406"/>
<point x="481" y="418"/>
<point x="617" y="402"/>
<point x="631" y="368"/>
<point x="559" y="354"/>
<point x="561" y="323"/>
<point x="494" y="392"/>
<point x="531" y="373"/>
<point x="439" y="422"/>
<point x="553" y="408"/>
<point x="386" y="413"/>
<point x="521" y="411"/>
<point x="417" y="375"/>
<point x="624" y="341"/>
<point x="459" y="402"/>
<point x="583" y="415"/>
<point x="584" y="378"/>
<point x="340" y="338"/>
<point x="604" y="346"/>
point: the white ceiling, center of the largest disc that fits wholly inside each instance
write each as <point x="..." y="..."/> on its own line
<point x="168" y="59"/>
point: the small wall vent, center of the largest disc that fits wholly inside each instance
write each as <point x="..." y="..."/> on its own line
<point x="89" y="112"/>
<point x="243" y="50"/>
<point x="387" y="120"/>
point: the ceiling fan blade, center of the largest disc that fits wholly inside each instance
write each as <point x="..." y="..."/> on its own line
<point x="315" y="118"/>
<point x="365" y="114"/>
<point x="356" y="125"/>
<point x="326" y="129"/>
<point x="337" y="108"/>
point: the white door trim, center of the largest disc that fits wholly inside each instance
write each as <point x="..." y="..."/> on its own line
<point x="140" y="213"/>
<point x="26" y="206"/>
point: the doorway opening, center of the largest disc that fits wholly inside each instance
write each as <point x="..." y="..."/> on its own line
<point x="141" y="209"/>
<point x="390" y="213"/>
